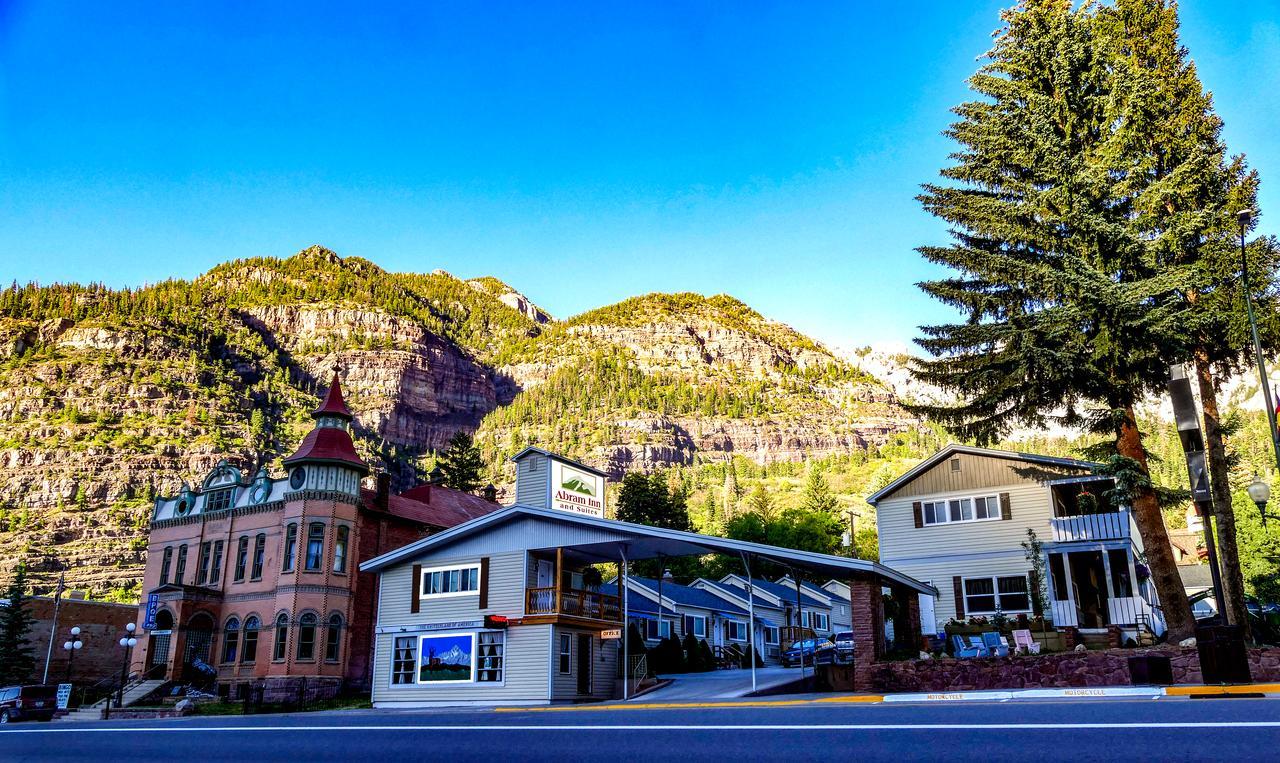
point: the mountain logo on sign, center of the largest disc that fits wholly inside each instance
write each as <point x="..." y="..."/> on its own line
<point x="578" y="483"/>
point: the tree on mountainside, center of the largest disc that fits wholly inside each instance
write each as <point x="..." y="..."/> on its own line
<point x="649" y="500"/>
<point x="1065" y="304"/>
<point x="17" y="656"/>
<point x="759" y="502"/>
<point x="462" y="464"/>
<point x="817" y="493"/>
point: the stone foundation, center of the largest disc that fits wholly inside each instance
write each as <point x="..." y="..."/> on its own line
<point x="1059" y="670"/>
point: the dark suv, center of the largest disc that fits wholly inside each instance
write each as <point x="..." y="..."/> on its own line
<point x="22" y="702"/>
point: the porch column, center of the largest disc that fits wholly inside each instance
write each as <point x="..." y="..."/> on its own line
<point x="913" y="617"/>
<point x="1106" y="582"/>
<point x="866" y="609"/>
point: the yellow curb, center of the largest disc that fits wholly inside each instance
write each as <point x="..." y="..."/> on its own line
<point x="854" y="698"/>
<point x="1190" y="691"/>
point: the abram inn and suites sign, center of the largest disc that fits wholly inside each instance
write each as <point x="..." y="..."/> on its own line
<point x="576" y="490"/>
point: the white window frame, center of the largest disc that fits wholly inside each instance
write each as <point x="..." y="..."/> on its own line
<point x="423" y="588"/>
<point x="734" y="626"/>
<point x="413" y="673"/>
<point x="664" y="625"/>
<point x="776" y="636"/>
<point x="822" y="622"/>
<point x="995" y="594"/>
<point x="945" y="503"/>
<point x="699" y="620"/>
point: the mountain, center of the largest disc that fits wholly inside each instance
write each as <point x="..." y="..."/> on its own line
<point x="110" y="396"/>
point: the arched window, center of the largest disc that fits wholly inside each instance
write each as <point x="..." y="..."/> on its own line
<point x="230" y="639"/>
<point x="315" y="546"/>
<point x="307" y="637"/>
<point x="282" y="637"/>
<point x="249" y="654"/>
<point x="333" y="638"/>
<point x="165" y="560"/>
<point x="290" y="546"/>
<point x="181" y="571"/>
<point x="259" y="551"/>
<point x="340" y="548"/>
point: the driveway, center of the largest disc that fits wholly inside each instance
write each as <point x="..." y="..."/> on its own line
<point x="721" y="684"/>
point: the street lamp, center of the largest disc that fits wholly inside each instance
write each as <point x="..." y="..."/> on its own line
<point x="128" y="642"/>
<point x="1269" y="403"/>
<point x="1260" y="493"/>
<point x="72" y="646"/>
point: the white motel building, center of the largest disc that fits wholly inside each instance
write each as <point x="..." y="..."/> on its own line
<point x="503" y="610"/>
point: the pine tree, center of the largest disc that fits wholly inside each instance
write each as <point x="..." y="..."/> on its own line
<point x="462" y="464"/>
<point x="761" y="503"/>
<point x="1062" y="305"/>
<point x="17" y="657"/>
<point x="817" y="493"/>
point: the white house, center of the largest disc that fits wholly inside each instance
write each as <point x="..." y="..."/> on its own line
<point x="960" y="518"/>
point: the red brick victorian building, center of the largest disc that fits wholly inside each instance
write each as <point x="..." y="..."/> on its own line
<point x="256" y="581"/>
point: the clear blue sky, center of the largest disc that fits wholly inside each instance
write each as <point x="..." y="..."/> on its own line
<point x="583" y="152"/>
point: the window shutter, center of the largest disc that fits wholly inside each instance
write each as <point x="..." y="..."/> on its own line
<point x="484" y="582"/>
<point x="917" y="509"/>
<point x="417" y="588"/>
<point x="1005" y="511"/>
<point x="688" y="623"/>
<point x="958" y="584"/>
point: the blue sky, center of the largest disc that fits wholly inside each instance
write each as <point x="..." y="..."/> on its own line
<point x="583" y="152"/>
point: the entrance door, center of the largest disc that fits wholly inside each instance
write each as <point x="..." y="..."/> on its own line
<point x="584" y="663"/>
<point x="928" y="625"/>
<point x="1089" y="583"/>
<point x="546" y="573"/>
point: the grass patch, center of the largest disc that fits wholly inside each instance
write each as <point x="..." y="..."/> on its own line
<point x="237" y="708"/>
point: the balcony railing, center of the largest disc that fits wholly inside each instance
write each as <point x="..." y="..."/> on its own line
<point x="592" y="605"/>
<point x="1110" y="525"/>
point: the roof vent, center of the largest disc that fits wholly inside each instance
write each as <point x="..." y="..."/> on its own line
<point x="955" y="464"/>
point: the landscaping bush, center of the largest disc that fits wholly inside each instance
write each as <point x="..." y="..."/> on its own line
<point x="692" y="657"/>
<point x="708" y="658"/>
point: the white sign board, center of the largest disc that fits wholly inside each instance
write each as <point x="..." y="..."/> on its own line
<point x="64" y="696"/>
<point x="576" y="490"/>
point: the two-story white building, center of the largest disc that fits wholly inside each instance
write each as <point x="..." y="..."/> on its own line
<point x="960" y="519"/>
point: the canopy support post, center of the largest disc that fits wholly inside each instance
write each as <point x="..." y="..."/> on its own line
<point x="626" y="623"/>
<point x="753" y="653"/>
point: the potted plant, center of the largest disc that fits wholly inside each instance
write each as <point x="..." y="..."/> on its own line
<point x="592" y="579"/>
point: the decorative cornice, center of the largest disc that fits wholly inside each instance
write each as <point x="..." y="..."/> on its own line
<point x="322" y="495"/>
<point x="214" y="516"/>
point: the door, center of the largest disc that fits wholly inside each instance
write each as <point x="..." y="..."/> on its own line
<point x="1089" y="584"/>
<point x="928" y="625"/>
<point x="546" y="573"/>
<point x="584" y="663"/>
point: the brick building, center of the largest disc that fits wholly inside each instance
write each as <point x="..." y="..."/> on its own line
<point x="256" y="580"/>
<point x="101" y="625"/>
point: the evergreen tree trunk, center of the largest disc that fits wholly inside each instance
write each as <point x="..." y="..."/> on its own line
<point x="1215" y="446"/>
<point x="1155" y="539"/>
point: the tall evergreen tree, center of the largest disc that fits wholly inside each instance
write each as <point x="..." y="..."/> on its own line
<point x="1063" y="309"/>
<point x="17" y="656"/>
<point x="817" y="493"/>
<point x="462" y="464"/>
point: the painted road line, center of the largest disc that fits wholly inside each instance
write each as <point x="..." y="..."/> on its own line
<point x="490" y="728"/>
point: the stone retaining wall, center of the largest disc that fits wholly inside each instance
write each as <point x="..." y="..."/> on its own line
<point x="1058" y="670"/>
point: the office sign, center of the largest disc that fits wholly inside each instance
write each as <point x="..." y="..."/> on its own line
<point x="576" y="490"/>
<point x="153" y="607"/>
<point x="611" y="634"/>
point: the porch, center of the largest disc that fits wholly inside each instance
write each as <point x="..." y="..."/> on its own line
<point x="1095" y="585"/>
<point x="559" y="588"/>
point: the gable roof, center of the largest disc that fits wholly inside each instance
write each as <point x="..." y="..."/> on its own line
<point x="688" y="595"/>
<point x="557" y="457"/>
<point x="715" y="587"/>
<point x="956" y="448"/>
<point x="786" y="593"/>
<point x="644" y="542"/>
<point x="434" y="505"/>
<point x="636" y="603"/>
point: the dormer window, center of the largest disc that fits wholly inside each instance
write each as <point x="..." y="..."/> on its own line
<point x="217" y="500"/>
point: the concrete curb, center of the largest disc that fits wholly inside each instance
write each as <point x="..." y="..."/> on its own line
<point x="1085" y="692"/>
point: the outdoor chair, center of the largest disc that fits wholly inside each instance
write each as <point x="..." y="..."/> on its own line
<point x="964" y="651"/>
<point x="1023" y="642"/>
<point x="975" y="642"/>
<point x="991" y="640"/>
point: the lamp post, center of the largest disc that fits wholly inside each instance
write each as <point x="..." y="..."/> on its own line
<point x="128" y="642"/>
<point x="1269" y="403"/>
<point x="1260" y="494"/>
<point x="72" y="647"/>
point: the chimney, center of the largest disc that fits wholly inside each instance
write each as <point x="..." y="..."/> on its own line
<point x="436" y="477"/>
<point x="384" y="490"/>
<point x="490" y="493"/>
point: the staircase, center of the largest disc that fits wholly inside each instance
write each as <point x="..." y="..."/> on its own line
<point x="133" y="691"/>
<point x="83" y="714"/>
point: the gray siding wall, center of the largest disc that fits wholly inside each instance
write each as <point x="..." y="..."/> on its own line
<point x="940" y="572"/>
<point x="977" y="472"/>
<point x="604" y="666"/>
<point x="902" y="544"/>
<point x="525" y="674"/>
<point x="506" y="592"/>
<point x="533" y="478"/>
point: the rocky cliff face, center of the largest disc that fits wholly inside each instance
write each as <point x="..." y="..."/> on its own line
<point x="110" y="397"/>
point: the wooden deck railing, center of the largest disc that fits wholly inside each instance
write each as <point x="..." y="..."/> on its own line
<point x="589" y="604"/>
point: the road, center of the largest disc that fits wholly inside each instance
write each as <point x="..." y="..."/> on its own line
<point x="1147" y="730"/>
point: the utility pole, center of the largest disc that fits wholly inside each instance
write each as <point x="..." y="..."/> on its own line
<point x="1188" y="422"/>
<point x="53" y="629"/>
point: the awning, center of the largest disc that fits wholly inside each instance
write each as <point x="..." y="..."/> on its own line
<point x="765" y="622"/>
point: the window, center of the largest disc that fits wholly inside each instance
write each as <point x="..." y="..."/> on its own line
<point x="164" y="564"/>
<point x="290" y="542"/>
<point x="450" y="581"/>
<point x="566" y="652"/>
<point x="217" y="500"/>
<point x="282" y="637"/>
<point x="307" y="637"/>
<point x="202" y="571"/>
<point x="489" y="657"/>
<point x="1121" y="585"/>
<point x="955" y="464"/>
<point x="181" y="570"/>
<point x="259" y="551"/>
<point x="315" y="546"/>
<point x="987" y="595"/>
<point x="340" y="548"/>
<point x="664" y="629"/>
<point x="821" y="621"/>
<point x="230" y="640"/>
<point x="249" y="654"/>
<point x="770" y="634"/>
<point x="977" y="509"/>
<point x="333" y="638"/>
<point x="698" y="626"/>
<point x="215" y="568"/>
<point x="404" y="660"/>
<point x="735" y="631"/>
<point x="242" y="557"/>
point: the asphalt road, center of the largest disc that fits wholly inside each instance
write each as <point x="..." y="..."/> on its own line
<point x="1146" y="730"/>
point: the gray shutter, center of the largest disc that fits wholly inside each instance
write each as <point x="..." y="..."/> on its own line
<point x="1006" y="512"/>
<point x="958" y="585"/>
<point x="417" y="588"/>
<point x="484" y="582"/>
<point x="917" y="509"/>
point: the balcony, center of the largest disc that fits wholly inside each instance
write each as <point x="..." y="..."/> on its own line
<point x="1110" y="525"/>
<point x="573" y="603"/>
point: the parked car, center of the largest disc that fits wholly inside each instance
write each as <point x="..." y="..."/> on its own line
<point x="19" y="703"/>
<point x="816" y="651"/>
<point x="844" y="646"/>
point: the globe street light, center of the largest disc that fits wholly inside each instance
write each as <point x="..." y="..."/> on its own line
<point x="127" y="642"/>
<point x="1260" y="494"/>
<point x="72" y="646"/>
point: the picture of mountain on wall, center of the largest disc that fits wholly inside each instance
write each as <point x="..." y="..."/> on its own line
<point x="446" y="658"/>
<point x="577" y="482"/>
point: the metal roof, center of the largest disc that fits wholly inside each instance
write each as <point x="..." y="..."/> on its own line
<point x="971" y="450"/>
<point x="644" y="542"/>
<point x="688" y="595"/>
